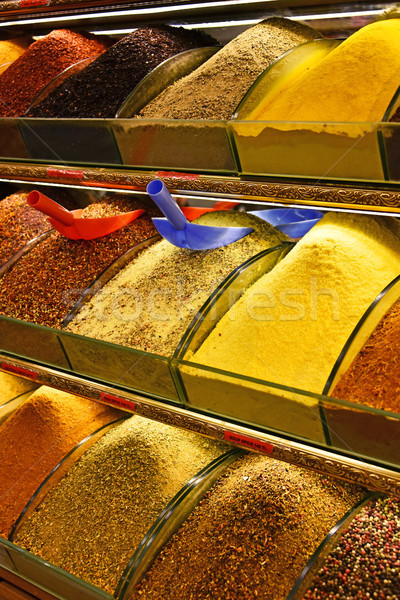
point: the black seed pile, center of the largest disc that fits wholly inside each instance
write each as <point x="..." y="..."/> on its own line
<point x="100" y="88"/>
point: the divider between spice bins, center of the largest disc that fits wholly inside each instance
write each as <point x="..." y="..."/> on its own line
<point x="389" y="139"/>
<point x="345" y="151"/>
<point x="34" y="569"/>
<point x="324" y="549"/>
<point x="363" y="430"/>
<point x="169" y="521"/>
<point x="243" y="399"/>
<point x="9" y="407"/>
<point x="23" y="250"/>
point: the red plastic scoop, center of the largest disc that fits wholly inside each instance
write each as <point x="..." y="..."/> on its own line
<point x="69" y="223"/>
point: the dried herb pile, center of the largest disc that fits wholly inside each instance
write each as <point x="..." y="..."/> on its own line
<point x="35" y="438"/>
<point x="91" y="523"/>
<point x="366" y="561"/>
<point x="19" y="223"/>
<point x="214" y="89"/>
<point x="151" y="302"/>
<point x="250" y="536"/>
<point x="43" y="60"/>
<point x="102" y="86"/>
<point x="45" y="295"/>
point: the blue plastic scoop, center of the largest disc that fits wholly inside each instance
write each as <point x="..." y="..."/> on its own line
<point x="179" y="231"/>
<point x="294" y="222"/>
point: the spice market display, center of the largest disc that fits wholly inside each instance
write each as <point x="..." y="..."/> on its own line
<point x="97" y="504"/>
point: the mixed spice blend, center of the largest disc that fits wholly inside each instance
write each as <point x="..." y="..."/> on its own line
<point x="19" y="223"/>
<point x="151" y="302"/>
<point x="91" y="523"/>
<point x="35" y="438"/>
<point x="290" y="326"/>
<point x="251" y="535"/>
<point x="214" y="89"/>
<point x="339" y="87"/>
<point x="366" y="561"/>
<point x="100" y="88"/>
<point x="47" y="294"/>
<point x="21" y="82"/>
<point x="373" y="378"/>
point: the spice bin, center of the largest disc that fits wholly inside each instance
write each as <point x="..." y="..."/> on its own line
<point x="317" y="559"/>
<point x="317" y="150"/>
<point x="356" y="428"/>
<point x="390" y="139"/>
<point x="14" y="391"/>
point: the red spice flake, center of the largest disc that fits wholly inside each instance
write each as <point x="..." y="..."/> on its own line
<point x="46" y="282"/>
<point x="19" y="223"/>
<point x="42" y="61"/>
<point x="373" y="378"/>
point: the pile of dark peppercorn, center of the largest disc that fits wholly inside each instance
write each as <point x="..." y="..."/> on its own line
<point x="99" y="89"/>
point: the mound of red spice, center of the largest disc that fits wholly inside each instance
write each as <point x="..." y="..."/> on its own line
<point x="42" y="61"/>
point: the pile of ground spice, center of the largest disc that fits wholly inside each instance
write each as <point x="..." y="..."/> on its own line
<point x="338" y="87"/>
<point x="12" y="386"/>
<point x="214" y="89"/>
<point x="35" y="438"/>
<point x="291" y="325"/>
<point x="100" y="88"/>
<point x="41" y="62"/>
<point x="366" y="561"/>
<point x="46" y="282"/>
<point x="251" y="535"/>
<point x="91" y="523"/>
<point x="12" y="49"/>
<point x="151" y="302"/>
<point x="373" y="378"/>
<point x="19" y="223"/>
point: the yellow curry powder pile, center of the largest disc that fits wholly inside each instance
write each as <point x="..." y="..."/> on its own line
<point x="35" y="438"/>
<point x="12" y="49"/>
<point x="355" y="82"/>
<point x="373" y="378"/>
<point x="290" y="326"/>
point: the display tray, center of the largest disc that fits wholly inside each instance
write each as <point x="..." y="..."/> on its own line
<point x="348" y="152"/>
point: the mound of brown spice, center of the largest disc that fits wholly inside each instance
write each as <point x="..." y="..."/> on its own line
<point x="35" y="438"/>
<point x="251" y="535"/>
<point x="214" y="89"/>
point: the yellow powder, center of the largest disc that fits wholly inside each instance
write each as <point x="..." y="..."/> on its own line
<point x="10" y="50"/>
<point x="11" y="387"/>
<point x="290" y="326"/>
<point x="355" y="82"/>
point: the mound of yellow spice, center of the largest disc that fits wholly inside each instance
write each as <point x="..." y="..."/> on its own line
<point x="355" y="82"/>
<point x="290" y="326"/>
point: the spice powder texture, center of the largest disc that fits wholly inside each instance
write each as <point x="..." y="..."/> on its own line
<point x="151" y="302"/>
<point x="366" y="561"/>
<point x="43" y="60"/>
<point x="45" y="295"/>
<point x="290" y="326"/>
<point x="250" y="536"/>
<point x="100" y="88"/>
<point x="373" y="378"/>
<point x="35" y="438"/>
<point x="19" y="223"/>
<point x="339" y="87"/>
<point x="91" y="523"/>
<point x="12" y="49"/>
<point x="214" y="89"/>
